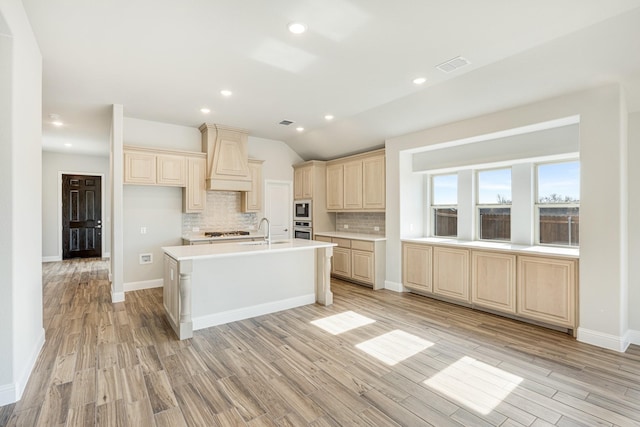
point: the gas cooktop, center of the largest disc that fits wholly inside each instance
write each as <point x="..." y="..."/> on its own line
<point x="225" y="233"/>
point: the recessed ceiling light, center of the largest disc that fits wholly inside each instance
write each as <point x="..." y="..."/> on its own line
<point x="297" y="28"/>
<point x="300" y="129"/>
<point x="226" y="92"/>
<point x="329" y="117"/>
<point x="68" y="144"/>
<point x="205" y="110"/>
<point x="57" y="123"/>
<point x="419" y="80"/>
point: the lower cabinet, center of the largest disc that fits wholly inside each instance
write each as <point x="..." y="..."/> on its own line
<point x="539" y="288"/>
<point x="416" y="267"/>
<point x="360" y="261"/>
<point x="451" y="273"/>
<point x="547" y="290"/>
<point x="493" y="281"/>
<point x="341" y="263"/>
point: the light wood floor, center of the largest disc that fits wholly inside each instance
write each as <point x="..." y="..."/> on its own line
<point x="417" y="362"/>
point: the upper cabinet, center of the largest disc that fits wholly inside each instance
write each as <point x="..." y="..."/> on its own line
<point x="335" y="187"/>
<point x="303" y="182"/>
<point x="168" y="168"/>
<point x="252" y="200"/>
<point x="357" y="183"/>
<point x="227" y="158"/>
<point x="154" y="167"/>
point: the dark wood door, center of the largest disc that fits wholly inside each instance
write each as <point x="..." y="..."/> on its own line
<point x="81" y="216"/>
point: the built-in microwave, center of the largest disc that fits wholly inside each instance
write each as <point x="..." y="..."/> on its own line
<point x="302" y="210"/>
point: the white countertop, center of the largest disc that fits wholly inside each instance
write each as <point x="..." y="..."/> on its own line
<point x="203" y="238"/>
<point x="498" y="246"/>
<point x="353" y="236"/>
<point x="182" y="253"/>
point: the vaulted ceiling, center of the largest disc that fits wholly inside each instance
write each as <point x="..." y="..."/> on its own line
<point x="165" y="60"/>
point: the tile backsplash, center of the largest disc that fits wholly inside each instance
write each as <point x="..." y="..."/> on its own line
<point x="221" y="214"/>
<point x="361" y="222"/>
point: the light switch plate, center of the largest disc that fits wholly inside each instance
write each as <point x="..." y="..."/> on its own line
<point x="346" y="226"/>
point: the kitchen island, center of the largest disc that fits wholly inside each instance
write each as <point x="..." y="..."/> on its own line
<point x="208" y="285"/>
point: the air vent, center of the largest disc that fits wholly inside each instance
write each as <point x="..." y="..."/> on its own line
<point x="286" y="122"/>
<point x="452" y="64"/>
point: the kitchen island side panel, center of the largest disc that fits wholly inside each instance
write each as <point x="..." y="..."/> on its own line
<point x="246" y="286"/>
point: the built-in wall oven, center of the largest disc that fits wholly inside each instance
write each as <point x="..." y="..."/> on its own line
<point x="302" y="230"/>
<point x="302" y="210"/>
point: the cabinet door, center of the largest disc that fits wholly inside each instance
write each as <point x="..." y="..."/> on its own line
<point x="547" y="290"/>
<point x="307" y="182"/>
<point x="194" y="196"/>
<point x="353" y="185"/>
<point x="139" y="168"/>
<point x="493" y="280"/>
<point x="373" y="183"/>
<point x="362" y="266"/>
<point x="335" y="187"/>
<point x="451" y="273"/>
<point x="416" y="267"/>
<point x="341" y="262"/>
<point x="252" y="200"/>
<point x="170" y="291"/>
<point x="170" y="170"/>
<point x="297" y="184"/>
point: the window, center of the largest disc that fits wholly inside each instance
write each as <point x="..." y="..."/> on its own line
<point x="494" y="204"/>
<point x="444" y="205"/>
<point x="558" y="203"/>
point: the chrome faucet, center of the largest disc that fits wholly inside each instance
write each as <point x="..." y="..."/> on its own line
<point x="267" y="236"/>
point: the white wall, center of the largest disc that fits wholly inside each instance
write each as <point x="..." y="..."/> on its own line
<point x="159" y="209"/>
<point x="634" y="226"/>
<point x="21" y="334"/>
<point x="52" y="164"/>
<point x="602" y="249"/>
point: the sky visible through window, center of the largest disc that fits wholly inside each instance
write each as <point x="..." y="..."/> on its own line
<point x="445" y="189"/>
<point x="494" y="187"/>
<point x="559" y="182"/>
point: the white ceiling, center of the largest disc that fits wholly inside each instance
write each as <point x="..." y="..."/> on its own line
<point x="164" y="60"/>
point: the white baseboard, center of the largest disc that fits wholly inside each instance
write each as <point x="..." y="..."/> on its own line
<point x="10" y="393"/>
<point x="145" y="284"/>
<point x="117" y="297"/>
<point x="633" y="337"/>
<point x="54" y="258"/>
<point x="393" y="286"/>
<point x="604" y="340"/>
<point x="253" y="311"/>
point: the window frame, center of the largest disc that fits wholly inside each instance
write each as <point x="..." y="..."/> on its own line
<point x="433" y="207"/>
<point x="537" y="205"/>
<point x="479" y="207"/>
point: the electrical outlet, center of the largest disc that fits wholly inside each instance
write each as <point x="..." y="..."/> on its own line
<point x="195" y="229"/>
<point x="346" y="226"/>
<point x="146" y="258"/>
<point x="143" y="230"/>
<point x="376" y="228"/>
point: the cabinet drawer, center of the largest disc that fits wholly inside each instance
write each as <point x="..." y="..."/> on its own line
<point x="323" y="238"/>
<point x="362" y="245"/>
<point x="342" y="243"/>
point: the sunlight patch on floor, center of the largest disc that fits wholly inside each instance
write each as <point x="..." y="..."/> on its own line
<point x="342" y="322"/>
<point x="394" y="347"/>
<point x="474" y="384"/>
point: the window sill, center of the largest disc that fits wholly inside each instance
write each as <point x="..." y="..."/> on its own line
<point x="499" y="246"/>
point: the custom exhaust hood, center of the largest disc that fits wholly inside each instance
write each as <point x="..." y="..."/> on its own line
<point x="227" y="158"/>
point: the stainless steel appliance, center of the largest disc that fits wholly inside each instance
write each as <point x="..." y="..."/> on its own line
<point x="302" y="210"/>
<point x="302" y="230"/>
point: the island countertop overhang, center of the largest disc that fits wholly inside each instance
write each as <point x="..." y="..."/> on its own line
<point x="182" y="253"/>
